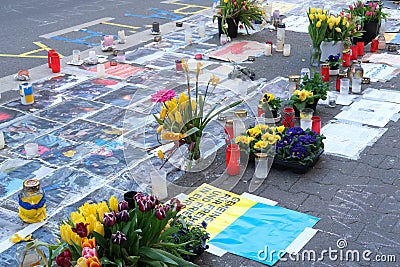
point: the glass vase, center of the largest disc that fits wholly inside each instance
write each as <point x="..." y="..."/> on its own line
<point x="315" y="55"/>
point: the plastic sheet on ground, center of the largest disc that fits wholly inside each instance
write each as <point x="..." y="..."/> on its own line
<point x="349" y="140"/>
<point x="382" y="95"/>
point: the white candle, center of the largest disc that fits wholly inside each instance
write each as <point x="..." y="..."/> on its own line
<point x="286" y="50"/>
<point x="101" y="72"/>
<point x="92" y="55"/>
<point x="121" y="37"/>
<point x="188" y="36"/>
<point x="2" y="142"/>
<point x="108" y="40"/>
<point x="159" y="184"/>
<point x="268" y="49"/>
<point x="202" y="29"/>
<point x="31" y="150"/>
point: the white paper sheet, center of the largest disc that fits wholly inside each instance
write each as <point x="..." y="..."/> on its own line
<point x="382" y="95"/>
<point x="348" y="140"/>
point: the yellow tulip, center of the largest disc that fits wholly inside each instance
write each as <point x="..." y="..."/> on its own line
<point x="331" y="25"/>
<point x="313" y="10"/>
<point x="194" y="104"/>
<point x="163" y="113"/>
<point x="226" y="1"/>
<point x="319" y="11"/>
<point x="178" y="117"/>
<point x="347" y="24"/>
<point x="65" y="233"/>
<point x="102" y="208"/>
<point x="76" y="217"/>
<point x="160" y="154"/>
<point x="337" y="29"/>
<point x="113" y="202"/>
<point x="318" y="25"/>
<point x="159" y="129"/>
<point x="323" y="17"/>
<point x="99" y="228"/>
<point x="311" y="17"/>
<point x="81" y="262"/>
<point x="75" y="238"/>
<point x="87" y="209"/>
<point x="91" y="220"/>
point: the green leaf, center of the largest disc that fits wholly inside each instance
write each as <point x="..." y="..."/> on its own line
<point x="155" y="254"/>
<point x="105" y="260"/>
<point x="180" y="261"/>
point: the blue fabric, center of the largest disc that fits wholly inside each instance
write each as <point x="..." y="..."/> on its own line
<point x="28" y="206"/>
<point x="260" y="227"/>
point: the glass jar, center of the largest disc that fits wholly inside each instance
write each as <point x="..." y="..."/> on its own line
<point x="32" y="202"/>
<point x="355" y="70"/>
<point x="261" y="165"/>
<point x="240" y="122"/>
<point x="280" y="37"/>
<point x="228" y="129"/>
<point x="294" y="81"/>
<point x="27" y="257"/>
<point x="381" y="42"/>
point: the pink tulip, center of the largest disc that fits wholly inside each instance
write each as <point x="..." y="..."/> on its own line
<point x="368" y="13"/>
<point x="89" y="252"/>
<point x="351" y="7"/>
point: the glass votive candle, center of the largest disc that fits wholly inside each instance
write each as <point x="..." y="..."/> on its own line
<point x="356" y="85"/>
<point x="286" y="50"/>
<point x="159" y="184"/>
<point x="261" y="165"/>
<point x="332" y="100"/>
<point x="233" y="159"/>
<point x="268" y="50"/>
<point x="31" y="150"/>
<point x="360" y="48"/>
<point x="288" y="117"/>
<point x="305" y="118"/>
<point x="316" y="124"/>
<point x="101" y="71"/>
<point x="76" y="56"/>
<point x="353" y="54"/>
<point x="202" y="29"/>
<point x="121" y="56"/>
<point x="344" y="86"/>
<point x="223" y="39"/>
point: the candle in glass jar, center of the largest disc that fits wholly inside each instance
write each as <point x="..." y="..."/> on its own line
<point x="325" y="72"/>
<point x="108" y="40"/>
<point x="286" y="50"/>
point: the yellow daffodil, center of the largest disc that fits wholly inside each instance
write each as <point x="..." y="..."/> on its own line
<point x="172" y="136"/>
<point x="280" y="128"/>
<point x="214" y="80"/>
<point x="160" y="154"/>
<point x="171" y="116"/>
<point x="194" y="104"/>
<point x="16" y="238"/>
<point x="178" y="117"/>
<point x="198" y="68"/>
<point x="260" y="144"/>
<point x="185" y="65"/>
<point x="160" y="128"/>
<point x="163" y="113"/>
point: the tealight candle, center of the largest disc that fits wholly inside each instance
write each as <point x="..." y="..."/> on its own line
<point x="31" y="150"/>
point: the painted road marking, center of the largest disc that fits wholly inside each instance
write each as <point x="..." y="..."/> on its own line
<point x="74" y="28"/>
<point x="121" y="25"/>
<point x="188" y="6"/>
<point x="82" y="40"/>
<point x="29" y="53"/>
<point x="160" y="14"/>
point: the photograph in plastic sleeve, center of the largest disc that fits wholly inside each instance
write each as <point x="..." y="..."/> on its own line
<point x="167" y="61"/>
<point x="10" y="223"/>
<point x="125" y="182"/>
<point x="120" y="71"/>
<point x="13" y="172"/>
<point x="89" y="132"/>
<point x="59" y="82"/>
<point x="141" y="77"/>
<point x="70" y="110"/>
<point x="105" y="161"/>
<point x="133" y="154"/>
<point x="7" y="114"/>
<point x="92" y="89"/>
<point x="141" y="55"/>
<point x="121" y="97"/>
<point x="57" y="151"/>
<point x="134" y="120"/>
<point x="144" y="137"/>
<point x="113" y="116"/>
<point x="65" y="186"/>
<point x="196" y="48"/>
<point x="27" y="129"/>
<point x="43" y="99"/>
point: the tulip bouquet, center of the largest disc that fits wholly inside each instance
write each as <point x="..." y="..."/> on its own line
<point x="115" y="234"/>
<point x="260" y="138"/>
<point x="368" y="12"/>
<point x="318" y="20"/>
<point x="182" y="119"/>
<point x="342" y="27"/>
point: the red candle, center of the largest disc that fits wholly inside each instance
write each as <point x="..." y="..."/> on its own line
<point x="228" y="129"/>
<point x="55" y="63"/>
<point x="346" y="58"/>
<point x="360" y="48"/>
<point x="354" y="54"/>
<point x="316" y="124"/>
<point x="288" y="117"/>
<point x="49" y="54"/>
<point x="232" y="159"/>
<point x="325" y="72"/>
<point x="374" y="45"/>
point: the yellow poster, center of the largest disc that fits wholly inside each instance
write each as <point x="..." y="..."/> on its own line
<point x="217" y="207"/>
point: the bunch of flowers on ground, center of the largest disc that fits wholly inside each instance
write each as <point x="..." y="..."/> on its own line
<point x="114" y="234"/>
<point x="260" y="138"/>
<point x="297" y="145"/>
<point x="368" y="12"/>
<point x="182" y="119"/>
<point x="317" y="28"/>
<point x="342" y="27"/>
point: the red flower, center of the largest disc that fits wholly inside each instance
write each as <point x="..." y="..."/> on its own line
<point x="81" y="229"/>
<point x="64" y="258"/>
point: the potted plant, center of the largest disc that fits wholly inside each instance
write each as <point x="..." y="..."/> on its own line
<point x="309" y="92"/>
<point x="334" y="62"/>
<point x="260" y="139"/>
<point x="270" y="103"/>
<point x="232" y="12"/>
<point x="369" y="17"/>
<point x="298" y="150"/>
